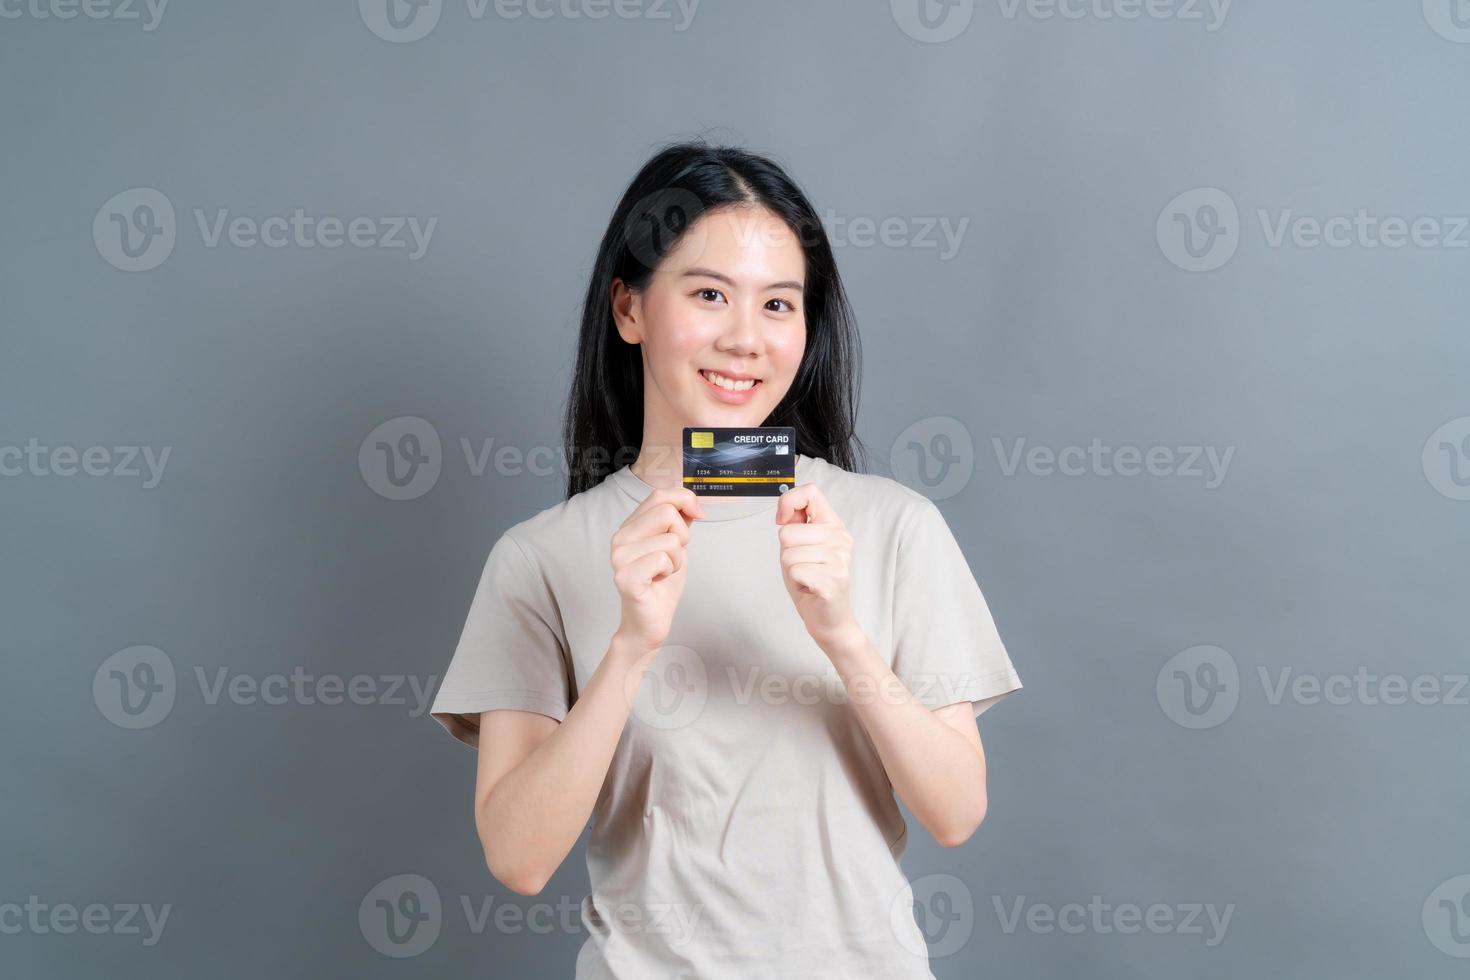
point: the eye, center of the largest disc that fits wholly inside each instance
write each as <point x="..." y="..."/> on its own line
<point x="708" y="292"/>
<point x="789" y="308"/>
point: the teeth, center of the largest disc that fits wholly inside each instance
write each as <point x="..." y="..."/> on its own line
<point x="720" y="380"/>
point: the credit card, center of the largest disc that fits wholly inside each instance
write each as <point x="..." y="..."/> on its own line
<point x="759" y="461"/>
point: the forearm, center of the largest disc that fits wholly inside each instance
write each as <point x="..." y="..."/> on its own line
<point x="934" y="769"/>
<point x="534" y="814"/>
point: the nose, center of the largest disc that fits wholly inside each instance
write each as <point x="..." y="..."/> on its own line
<point x="742" y="334"/>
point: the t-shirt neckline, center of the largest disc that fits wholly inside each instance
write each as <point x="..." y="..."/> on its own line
<point x="717" y="508"/>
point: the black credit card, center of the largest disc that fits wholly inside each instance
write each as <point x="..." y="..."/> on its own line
<point x="750" y="462"/>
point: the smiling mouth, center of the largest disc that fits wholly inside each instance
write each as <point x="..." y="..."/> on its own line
<point x="729" y="384"/>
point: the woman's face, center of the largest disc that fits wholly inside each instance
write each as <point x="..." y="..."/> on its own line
<point x="721" y="324"/>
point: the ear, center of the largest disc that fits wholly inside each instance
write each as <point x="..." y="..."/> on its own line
<point x="627" y="312"/>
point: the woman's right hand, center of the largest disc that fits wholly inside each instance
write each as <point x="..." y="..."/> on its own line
<point x="649" y="551"/>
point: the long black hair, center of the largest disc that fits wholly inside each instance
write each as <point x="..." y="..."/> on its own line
<point x="603" y="427"/>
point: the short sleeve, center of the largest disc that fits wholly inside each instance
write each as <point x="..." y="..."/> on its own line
<point x="946" y="647"/>
<point x="512" y="651"/>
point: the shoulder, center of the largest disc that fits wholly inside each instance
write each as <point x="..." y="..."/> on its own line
<point x="571" y="524"/>
<point x="868" y="498"/>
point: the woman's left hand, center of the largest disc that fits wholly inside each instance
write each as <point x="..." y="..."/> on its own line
<point x="816" y="550"/>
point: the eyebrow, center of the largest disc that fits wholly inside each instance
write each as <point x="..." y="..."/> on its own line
<point x="712" y="274"/>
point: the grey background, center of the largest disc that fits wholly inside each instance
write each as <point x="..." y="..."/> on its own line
<point x="266" y="547"/>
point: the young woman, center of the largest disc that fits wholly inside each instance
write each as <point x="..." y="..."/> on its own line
<point x="733" y="688"/>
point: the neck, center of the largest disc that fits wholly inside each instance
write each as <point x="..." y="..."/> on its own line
<point x="659" y="464"/>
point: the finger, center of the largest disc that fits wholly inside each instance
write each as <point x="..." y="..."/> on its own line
<point x="813" y="554"/>
<point x="684" y="500"/>
<point x="667" y="542"/>
<point x="798" y="534"/>
<point x="791" y="505"/>
<point x="805" y="504"/>
<point x="811" y="577"/>
<point x="664" y="517"/>
<point x="652" y="567"/>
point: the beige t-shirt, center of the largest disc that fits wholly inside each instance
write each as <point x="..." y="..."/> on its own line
<point x="746" y="827"/>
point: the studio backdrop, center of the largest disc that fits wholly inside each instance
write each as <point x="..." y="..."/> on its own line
<point x="1162" y="302"/>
